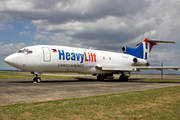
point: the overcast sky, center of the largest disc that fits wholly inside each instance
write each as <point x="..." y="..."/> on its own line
<point x="100" y="24"/>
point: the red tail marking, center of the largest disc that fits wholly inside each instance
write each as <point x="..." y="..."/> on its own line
<point x="151" y="43"/>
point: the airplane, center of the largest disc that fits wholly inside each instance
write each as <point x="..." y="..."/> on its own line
<point x="50" y="58"/>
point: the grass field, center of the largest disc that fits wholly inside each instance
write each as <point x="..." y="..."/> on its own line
<point x="161" y="81"/>
<point x="163" y="103"/>
<point x="14" y="74"/>
<point x="9" y="75"/>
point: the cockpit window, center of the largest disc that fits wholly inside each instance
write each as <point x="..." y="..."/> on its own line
<point x="30" y="52"/>
<point x="25" y="51"/>
<point x="20" y="51"/>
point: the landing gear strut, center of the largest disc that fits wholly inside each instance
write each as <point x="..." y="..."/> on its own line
<point x="124" y="76"/>
<point x="100" y="77"/>
<point x="36" y="79"/>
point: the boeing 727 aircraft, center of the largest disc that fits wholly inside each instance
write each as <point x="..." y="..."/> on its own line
<point x="49" y="58"/>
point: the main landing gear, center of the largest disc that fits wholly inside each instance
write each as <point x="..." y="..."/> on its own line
<point x="122" y="78"/>
<point x="100" y="77"/>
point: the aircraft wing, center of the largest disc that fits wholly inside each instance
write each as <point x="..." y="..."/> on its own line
<point x="133" y="68"/>
<point x="157" y="68"/>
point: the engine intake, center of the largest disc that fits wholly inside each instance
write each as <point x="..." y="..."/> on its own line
<point x="139" y="62"/>
<point x="123" y="49"/>
<point x="135" y="60"/>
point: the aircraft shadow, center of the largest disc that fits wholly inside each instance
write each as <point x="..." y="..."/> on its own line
<point x="67" y="80"/>
<point x="135" y="80"/>
<point x="144" y="81"/>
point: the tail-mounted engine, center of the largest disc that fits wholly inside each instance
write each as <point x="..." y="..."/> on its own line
<point x="140" y="62"/>
<point x="135" y="52"/>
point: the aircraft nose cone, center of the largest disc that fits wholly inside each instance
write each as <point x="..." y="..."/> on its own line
<point x="11" y="60"/>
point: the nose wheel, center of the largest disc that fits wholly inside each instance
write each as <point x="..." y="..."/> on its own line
<point x="36" y="79"/>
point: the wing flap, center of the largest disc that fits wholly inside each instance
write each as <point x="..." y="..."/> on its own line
<point x="157" y="68"/>
<point x="114" y="67"/>
<point x="135" y="68"/>
<point x="119" y="68"/>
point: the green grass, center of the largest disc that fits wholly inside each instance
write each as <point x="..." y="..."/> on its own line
<point x="10" y="75"/>
<point x="162" y="81"/>
<point x="162" y="103"/>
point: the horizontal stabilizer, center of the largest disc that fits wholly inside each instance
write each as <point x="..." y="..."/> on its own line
<point x="158" y="41"/>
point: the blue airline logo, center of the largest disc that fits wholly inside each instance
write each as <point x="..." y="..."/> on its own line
<point x="90" y="57"/>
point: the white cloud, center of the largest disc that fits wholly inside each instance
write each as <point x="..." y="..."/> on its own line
<point x="168" y="57"/>
<point x="60" y="11"/>
<point x="5" y="26"/>
<point x="27" y="27"/>
<point x="99" y="24"/>
<point x="25" y="33"/>
<point x="15" y="5"/>
<point x="61" y="39"/>
<point x="40" y="37"/>
<point x="11" y="48"/>
<point x="110" y="24"/>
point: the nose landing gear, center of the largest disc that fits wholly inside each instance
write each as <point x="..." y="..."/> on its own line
<point x="36" y="79"/>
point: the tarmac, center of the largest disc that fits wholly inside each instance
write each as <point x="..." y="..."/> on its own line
<point x="24" y="90"/>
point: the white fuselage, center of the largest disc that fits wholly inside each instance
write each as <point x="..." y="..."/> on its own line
<point x="48" y="58"/>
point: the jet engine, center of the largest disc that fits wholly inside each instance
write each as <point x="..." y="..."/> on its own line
<point x="140" y="62"/>
<point x="134" y="52"/>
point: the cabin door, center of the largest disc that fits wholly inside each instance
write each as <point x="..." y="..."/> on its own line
<point x="46" y="54"/>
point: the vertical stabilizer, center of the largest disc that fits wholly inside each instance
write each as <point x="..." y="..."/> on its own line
<point x="147" y="47"/>
<point x="144" y="48"/>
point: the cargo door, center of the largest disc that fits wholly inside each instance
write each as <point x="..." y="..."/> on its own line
<point x="46" y="54"/>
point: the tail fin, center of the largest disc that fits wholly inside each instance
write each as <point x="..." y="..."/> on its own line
<point x="144" y="48"/>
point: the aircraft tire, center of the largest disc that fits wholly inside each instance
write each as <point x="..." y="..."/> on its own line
<point x="36" y="80"/>
<point x="123" y="78"/>
<point x="100" y="77"/>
